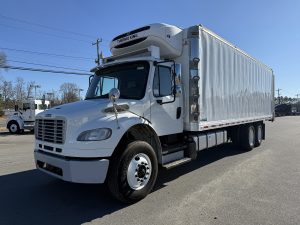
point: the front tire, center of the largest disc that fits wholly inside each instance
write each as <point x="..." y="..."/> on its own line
<point x="133" y="173"/>
<point x="14" y="128"/>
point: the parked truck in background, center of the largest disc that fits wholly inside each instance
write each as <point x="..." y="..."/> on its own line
<point x="24" y="116"/>
<point x="165" y="94"/>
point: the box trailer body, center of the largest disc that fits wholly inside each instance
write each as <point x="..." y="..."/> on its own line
<point x="164" y="94"/>
<point x="227" y="86"/>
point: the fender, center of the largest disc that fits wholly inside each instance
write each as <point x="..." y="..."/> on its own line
<point x="17" y="119"/>
<point x="141" y="131"/>
<point x="126" y="122"/>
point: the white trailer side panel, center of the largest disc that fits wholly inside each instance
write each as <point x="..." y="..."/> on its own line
<point x="233" y="87"/>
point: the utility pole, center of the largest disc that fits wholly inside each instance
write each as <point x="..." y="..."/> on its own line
<point x="97" y="43"/>
<point x="278" y="91"/>
<point x="35" y="87"/>
<point x="50" y="95"/>
<point x="79" y="90"/>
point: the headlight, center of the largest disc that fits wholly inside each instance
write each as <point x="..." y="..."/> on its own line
<point x="98" y="134"/>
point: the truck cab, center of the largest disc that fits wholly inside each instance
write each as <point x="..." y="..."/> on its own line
<point x="24" y="116"/>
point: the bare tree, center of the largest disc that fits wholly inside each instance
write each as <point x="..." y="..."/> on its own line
<point x="29" y="88"/>
<point x="20" y="89"/>
<point x="6" y="90"/>
<point x="2" y="59"/>
<point x="69" y="92"/>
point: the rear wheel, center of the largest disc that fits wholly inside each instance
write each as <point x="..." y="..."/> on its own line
<point x="133" y="173"/>
<point x="258" y="134"/>
<point x="13" y="127"/>
<point x="248" y="137"/>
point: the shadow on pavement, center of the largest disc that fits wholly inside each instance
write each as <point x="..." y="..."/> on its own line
<point x="204" y="158"/>
<point x="31" y="197"/>
<point x="6" y="133"/>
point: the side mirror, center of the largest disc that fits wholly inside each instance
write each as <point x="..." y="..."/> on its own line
<point x="114" y="94"/>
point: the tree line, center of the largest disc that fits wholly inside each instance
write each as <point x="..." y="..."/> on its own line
<point x="15" y="92"/>
<point x="285" y="100"/>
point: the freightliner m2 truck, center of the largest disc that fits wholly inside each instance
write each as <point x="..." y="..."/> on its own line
<point x="165" y="94"/>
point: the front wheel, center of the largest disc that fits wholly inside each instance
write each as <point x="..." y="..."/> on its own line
<point x="133" y="173"/>
<point x="14" y="128"/>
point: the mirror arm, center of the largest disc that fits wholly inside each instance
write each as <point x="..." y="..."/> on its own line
<point x="90" y="79"/>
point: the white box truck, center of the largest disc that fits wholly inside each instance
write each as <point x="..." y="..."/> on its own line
<point x="164" y="95"/>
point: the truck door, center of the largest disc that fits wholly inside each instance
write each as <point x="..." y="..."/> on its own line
<point x="166" y="109"/>
<point x="28" y="111"/>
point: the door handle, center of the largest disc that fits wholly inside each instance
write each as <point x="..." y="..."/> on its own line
<point x="178" y="112"/>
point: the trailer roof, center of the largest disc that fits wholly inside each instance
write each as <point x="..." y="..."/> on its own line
<point x="213" y="34"/>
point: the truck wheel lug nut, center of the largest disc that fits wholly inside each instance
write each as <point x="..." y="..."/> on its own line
<point x="137" y="158"/>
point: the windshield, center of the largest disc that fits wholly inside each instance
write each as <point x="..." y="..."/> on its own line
<point x="129" y="78"/>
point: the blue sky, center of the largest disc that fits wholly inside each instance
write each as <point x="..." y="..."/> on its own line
<point x="267" y="30"/>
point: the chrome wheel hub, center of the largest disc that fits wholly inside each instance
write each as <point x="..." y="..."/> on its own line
<point x="13" y="128"/>
<point x="139" y="171"/>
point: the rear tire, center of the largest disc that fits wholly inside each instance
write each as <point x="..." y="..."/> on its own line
<point x="13" y="127"/>
<point x="248" y="137"/>
<point x="258" y="134"/>
<point x="133" y="172"/>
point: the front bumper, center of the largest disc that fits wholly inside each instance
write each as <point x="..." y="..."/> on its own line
<point x="72" y="170"/>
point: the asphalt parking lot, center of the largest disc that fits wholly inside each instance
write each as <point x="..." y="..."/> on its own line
<point x="224" y="186"/>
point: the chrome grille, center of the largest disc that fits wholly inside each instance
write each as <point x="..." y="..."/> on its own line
<point x="50" y="130"/>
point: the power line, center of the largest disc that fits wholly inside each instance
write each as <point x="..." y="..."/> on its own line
<point x="43" y="33"/>
<point x="38" y="64"/>
<point x="45" y="26"/>
<point x="44" y="70"/>
<point x="45" y="53"/>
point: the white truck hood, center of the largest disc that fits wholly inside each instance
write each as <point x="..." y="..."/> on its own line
<point x="90" y="108"/>
<point x="89" y="114"/>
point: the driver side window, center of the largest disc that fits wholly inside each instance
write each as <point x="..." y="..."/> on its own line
<point x="162" y="82"/>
